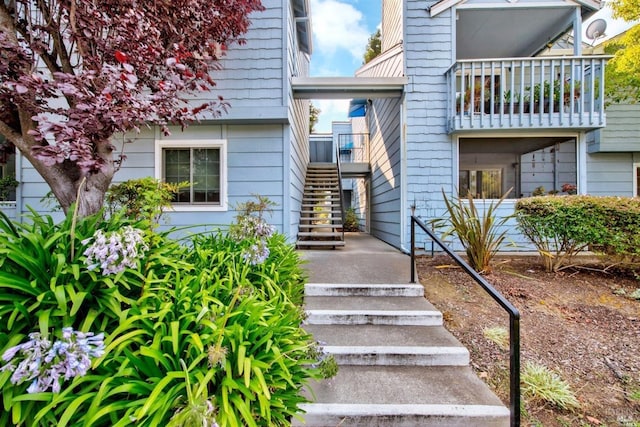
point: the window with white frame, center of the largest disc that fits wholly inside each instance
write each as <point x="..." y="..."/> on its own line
<point x="636" y="179"/>
<point x="200" y="163"/>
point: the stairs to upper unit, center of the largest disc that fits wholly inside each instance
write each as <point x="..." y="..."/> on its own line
<point x="321" y="214"/>
<point x="398" y="366"/>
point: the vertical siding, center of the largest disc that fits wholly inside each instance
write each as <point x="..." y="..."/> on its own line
<point x="429" y="149"/>
<point x="550" y="167"/>
<point x="391" y="23"/>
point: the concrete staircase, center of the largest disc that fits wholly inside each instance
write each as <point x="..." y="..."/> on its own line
<point x="321" y="214"/>
<point x="398" y="365"/>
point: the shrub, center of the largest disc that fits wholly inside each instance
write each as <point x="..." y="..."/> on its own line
<point x="143" y="198"/>
<point x="351" y="221"/>
<point x="478" y="232"/>
<point x="561" y="227"/>
<point x="195" y="333"/>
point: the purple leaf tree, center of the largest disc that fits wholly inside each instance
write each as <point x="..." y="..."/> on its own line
<point x="75" y="72"/>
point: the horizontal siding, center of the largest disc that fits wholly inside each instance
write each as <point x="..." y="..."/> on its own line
<point x="610" y="174"/>
<point x="384" y="129"/>
<point x="251" y="78"/>
<point x="391" y="23"/>
<point x="514" y="240"/>
<point x="428" y="54"/>
<point x="248" y="173"/>
<point x="388" y="64"/>
<point x="621" y="132"/>
<point x="297" y="139"/>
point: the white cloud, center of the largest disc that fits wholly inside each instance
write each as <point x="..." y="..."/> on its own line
<point x="330" y="110"/>
<point x="338" y="25"/>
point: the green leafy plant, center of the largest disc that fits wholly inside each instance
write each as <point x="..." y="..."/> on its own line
<point x="541" y="385"/>
<point x="478" y="231"/>
<point x="7" y="185"/>
<point x="351" y="221"/>
<point x="561" y="227"/>
<point x="143" y="198"/>
<point x="192" y="333"/>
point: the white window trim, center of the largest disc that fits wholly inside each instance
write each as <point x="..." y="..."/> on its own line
<point x="197" y="143"/>
<point x="635" y="179"/>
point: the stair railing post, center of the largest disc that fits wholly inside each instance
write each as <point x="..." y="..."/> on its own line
<point x="413" y="250"/>
<point x="514" y="362"/>
<point x="340" y="188"/>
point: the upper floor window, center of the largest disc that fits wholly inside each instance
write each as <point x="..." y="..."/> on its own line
<point x="200" y="163"/>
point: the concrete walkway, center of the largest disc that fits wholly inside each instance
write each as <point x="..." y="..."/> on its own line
<point x="364" y="259"/>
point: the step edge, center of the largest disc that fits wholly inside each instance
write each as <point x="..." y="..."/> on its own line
<point x="390" y="313"/>
<point x="396" y="350"/>
<point x="435" y="410"/>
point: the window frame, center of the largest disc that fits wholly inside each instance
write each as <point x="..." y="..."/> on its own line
<point x="220" y="144"/>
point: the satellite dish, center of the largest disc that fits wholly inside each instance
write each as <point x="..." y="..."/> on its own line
<point x="596" y="29"/>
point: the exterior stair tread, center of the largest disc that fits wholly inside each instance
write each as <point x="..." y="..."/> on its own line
<point x="360" y="396"/>
<point x="320" y="234"/>
<point x="361" y="303"/>
<point x="320" y="242"/>
<point x="382" y="335"/>
<point x="357" y="289"/>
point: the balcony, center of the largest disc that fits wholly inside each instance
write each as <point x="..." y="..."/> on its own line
<point x="526" y="93"/>
<point x="353" y="149"/>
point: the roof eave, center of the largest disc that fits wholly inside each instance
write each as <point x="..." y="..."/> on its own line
<point x="443" y="5"/>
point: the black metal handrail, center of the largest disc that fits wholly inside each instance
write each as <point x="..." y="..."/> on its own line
<point x="342" y="213"/>
<point x="514" y="314"/>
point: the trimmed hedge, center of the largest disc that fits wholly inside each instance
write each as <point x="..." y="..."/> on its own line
<point x="562" y="226"/>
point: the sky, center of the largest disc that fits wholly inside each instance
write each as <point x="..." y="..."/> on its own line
<point x="341" y="29"/>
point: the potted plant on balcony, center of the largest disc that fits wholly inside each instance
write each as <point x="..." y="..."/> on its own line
<point x="544" y="90"/>
<point x="509" y="99"/>
<point x="569" y="98"/>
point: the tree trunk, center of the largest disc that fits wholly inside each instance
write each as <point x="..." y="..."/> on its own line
<point x="68" y="183"/>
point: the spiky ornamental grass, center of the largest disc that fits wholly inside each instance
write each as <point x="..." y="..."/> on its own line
<point x="480" y="231"/>
<point x="542" y="385"/>
<point x="498" y="335"/>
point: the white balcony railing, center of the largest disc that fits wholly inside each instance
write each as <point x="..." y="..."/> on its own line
<point x="353" y="147"/>
<point x="526" y="93"/>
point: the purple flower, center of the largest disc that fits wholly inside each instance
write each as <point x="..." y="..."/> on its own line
<point x="116" y="251"/>
<point x="44" y="363"/>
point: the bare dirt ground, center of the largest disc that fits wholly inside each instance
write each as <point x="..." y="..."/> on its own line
<point x="580" y="322"/>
